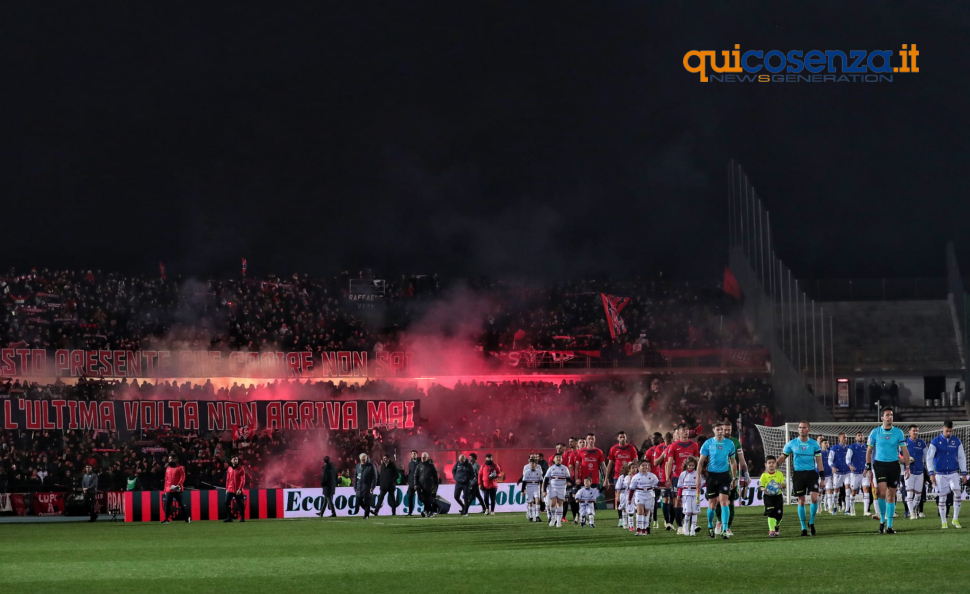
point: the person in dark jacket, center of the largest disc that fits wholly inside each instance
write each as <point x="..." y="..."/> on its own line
<point x="463" y="473"/>
<point x="476" y="494"/>
<point x="427" y="484"/>
<point x="365" y="479"/>
<point x="328" y="483"/>
<point x="89" y="487"/>
<point x="412" y="481"/>
<point x="387" y="481"/>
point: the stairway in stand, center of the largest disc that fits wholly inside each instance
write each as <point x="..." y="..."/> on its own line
<point x="903" y="414"/>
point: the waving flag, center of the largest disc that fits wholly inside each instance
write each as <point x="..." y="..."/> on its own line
<point x="612" y="306"/>
<point x="161" y="270"/>
<point x="731" y="286"/>
<point x="244" y="267"/>
<point x="245" y="432"/>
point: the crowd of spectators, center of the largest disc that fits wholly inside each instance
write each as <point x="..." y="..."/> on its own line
<point x="91" y="309"/>
<point x="466" y="416"/>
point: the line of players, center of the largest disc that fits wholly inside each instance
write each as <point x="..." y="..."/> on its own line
<point x="667" y="478"/>
<point x="934" y="466"/>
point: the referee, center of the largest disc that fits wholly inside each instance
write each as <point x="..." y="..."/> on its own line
<point x="806" y="455"/>
<point x="887" y="443"/>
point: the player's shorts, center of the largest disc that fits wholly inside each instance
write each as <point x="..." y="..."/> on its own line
<point x="856" y="481"/>
<point x="718" y="483"/>
<point x="644" y="498"/>
<point x="690" y="503"/>
<point x="774" y="505"/>
<point x="586" y="509"/>
<point x="556" y="492"/>
<point x="838" y="481"/>
<point x="532" y="492"/>
<point x="914" y="482"/>
<point x="947" y="483"/>
<point x="886" y="472"/>
<point x="804" y="482"/>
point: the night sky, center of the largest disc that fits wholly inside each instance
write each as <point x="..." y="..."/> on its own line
<point x="519" y="139"/>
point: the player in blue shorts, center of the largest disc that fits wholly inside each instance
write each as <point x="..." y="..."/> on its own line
<point x="886" y="443"/>
<point x="806" y="455"/>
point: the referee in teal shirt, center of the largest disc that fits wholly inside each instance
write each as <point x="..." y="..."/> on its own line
<point x="888" y="443"/>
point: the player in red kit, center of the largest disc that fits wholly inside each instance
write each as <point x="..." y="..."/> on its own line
<point x="235" y="483"/>
<point x="677" y="454"/>
<point x="620" y="455"/>
<point x="174" y="485"/>
<point x="655" y="455"/>
<point x="592" y="463"/>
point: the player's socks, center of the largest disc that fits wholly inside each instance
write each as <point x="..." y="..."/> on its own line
<point x="850" y="503"/>
<point x="730" y="515"/>
<point x="693" y="523"/>
<point x="956" y="506"/>
<point x="710" y="518"/>
<point x="772" y="523"/>
<point x="881" y="504"/>
<point x="666" y="510"/>
<point x="725" y="516"/>
<point x="890" y="512"/>
<point x="866" y="502"/>
<point x="813" y="509"/>
<point x="679" y="512"/>
<point x="801" y="516"/>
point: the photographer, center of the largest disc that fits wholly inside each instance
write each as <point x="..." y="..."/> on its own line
<point x="89" y="488"/>
<point x="489" y="476"/>
<point x="174" y="485"/>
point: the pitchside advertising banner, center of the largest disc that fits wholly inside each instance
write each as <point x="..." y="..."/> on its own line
<point x="133" y="415"/>
<point x="307" y="503"/>
<point x="23" y="362"/>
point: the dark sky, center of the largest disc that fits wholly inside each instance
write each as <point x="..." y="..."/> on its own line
<point x="515" y="139"/>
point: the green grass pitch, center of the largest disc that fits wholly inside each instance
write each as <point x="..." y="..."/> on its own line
<point x="483" y="554"/>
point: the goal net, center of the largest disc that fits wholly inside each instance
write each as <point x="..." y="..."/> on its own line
<point x="775" y="438"/>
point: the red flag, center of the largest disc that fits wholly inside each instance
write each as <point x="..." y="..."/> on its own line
<point x="245" y="432"/>
<point x="244" y="265"/>
<point x="612" y="306"/>
<point x="731" y="286"/>
<point x="161" y="270"/>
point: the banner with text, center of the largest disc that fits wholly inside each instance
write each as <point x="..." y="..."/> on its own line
<point x="306" y="503"/>
<point x="24" y="362"/>
<point x="206" y="415"/>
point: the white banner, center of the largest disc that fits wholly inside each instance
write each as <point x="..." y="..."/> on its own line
<point x="306" y="503"/>
<point x="5" y="503"/>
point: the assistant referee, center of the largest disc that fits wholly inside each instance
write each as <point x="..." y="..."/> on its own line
<point x="887" y="442"/>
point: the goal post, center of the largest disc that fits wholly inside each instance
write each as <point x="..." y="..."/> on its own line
<point x="775" y="438"/>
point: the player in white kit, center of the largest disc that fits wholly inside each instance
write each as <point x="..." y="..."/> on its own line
<point x="532" y="486"/>
<point x="642" y="491"/>
<point x="690" y="495"/>
<point x="587" y="497"/>
<point x="631" y="507"/>
<point x="621" y="500"/>
<point x="555" y="486"/>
